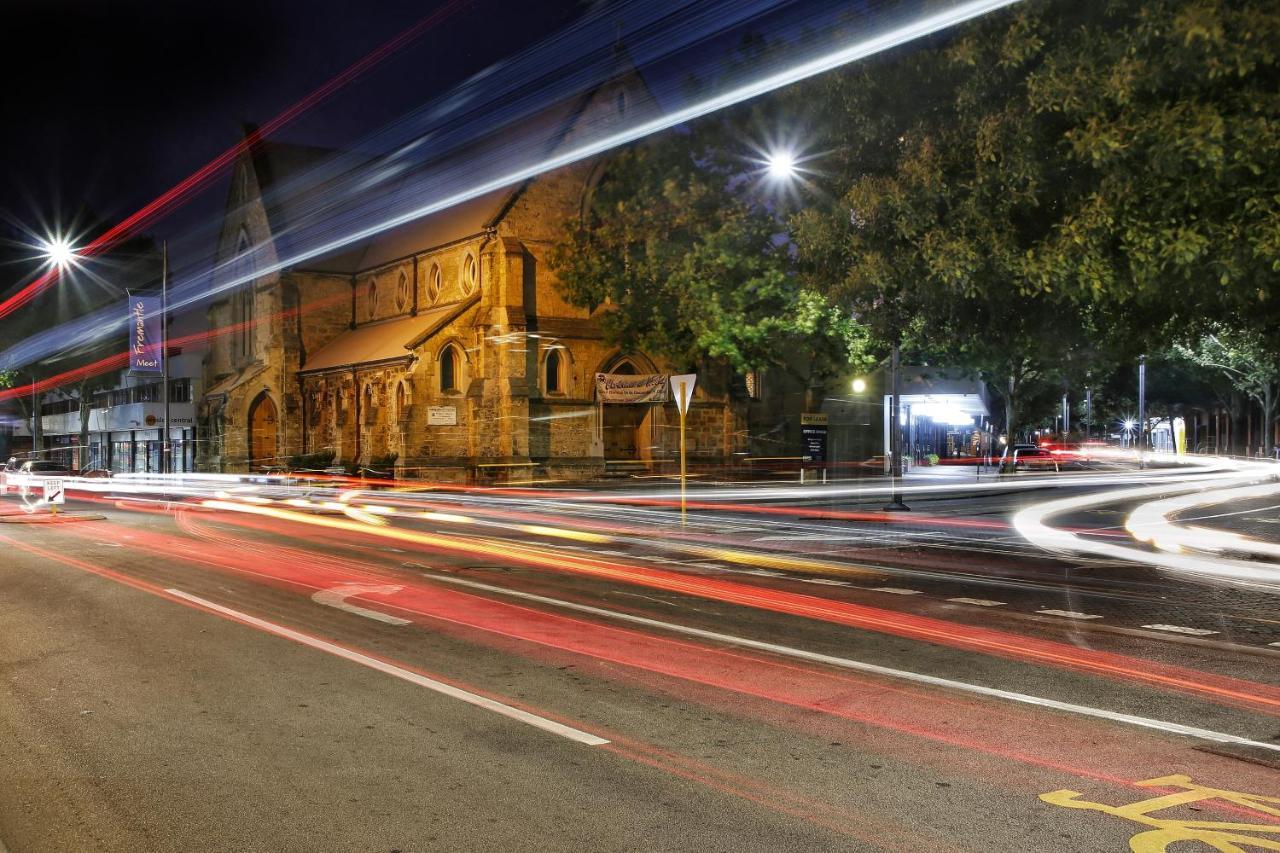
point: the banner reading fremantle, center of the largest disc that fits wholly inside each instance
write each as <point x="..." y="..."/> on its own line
<point x="145" y="354"/>
<point x="630" y="388"/>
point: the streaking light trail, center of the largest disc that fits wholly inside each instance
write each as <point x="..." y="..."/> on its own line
<point x="508" y="114"/>
<point x="200" y="179"/>
<point x="917" y="29"/>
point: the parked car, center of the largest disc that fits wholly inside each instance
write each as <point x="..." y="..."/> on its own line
<point x="44" y="468"/>
<point x="1027" y="457"/>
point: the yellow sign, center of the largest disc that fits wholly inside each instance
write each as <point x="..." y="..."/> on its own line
<point x="1230" y="836"/>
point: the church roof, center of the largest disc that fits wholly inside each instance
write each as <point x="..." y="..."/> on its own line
<point x="446" y="226"/>
<point x="383" y="342"/>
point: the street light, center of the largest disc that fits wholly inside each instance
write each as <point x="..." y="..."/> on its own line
<point x="859" y="385"/>
<point x="58" y="252"/>
<point x="782" y="165"/>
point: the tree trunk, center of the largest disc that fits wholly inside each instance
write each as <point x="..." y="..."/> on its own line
<point x="1011" y="411"/>
<point x="1268" y="420"/>
<point x="82" y="453"/>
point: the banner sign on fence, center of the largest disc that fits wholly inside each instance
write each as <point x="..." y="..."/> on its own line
<point x="629" y="388"/>
<point x="145" y="355"/>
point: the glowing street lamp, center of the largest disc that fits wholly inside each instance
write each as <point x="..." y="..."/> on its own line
<point x="782" y="165"/>
<point x="58" y="252"/>
<point x="859" y="385"/>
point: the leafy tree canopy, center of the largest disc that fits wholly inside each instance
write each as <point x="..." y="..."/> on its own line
<point x="681" y="240"/>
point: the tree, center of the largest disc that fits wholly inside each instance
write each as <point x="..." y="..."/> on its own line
<point x="1250" y="363"/>
<point x="1055" y="187"/>
<point x="685" y="250"/>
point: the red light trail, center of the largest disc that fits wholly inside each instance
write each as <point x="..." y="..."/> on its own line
<point x="199" y="180"/>
<point x="119" y="360"/>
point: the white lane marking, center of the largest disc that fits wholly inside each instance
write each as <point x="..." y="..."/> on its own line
<point x="398" y="672"/>
<point x="980" y="602"/>
<point x="1070" y="614"/>
<point x="1178" y="629"/>
<point x="1277" y="645"/>
<point x="893" y="590"/>
<point x="104" y="545"/>
<point x="337" y="597"/>
<point x="875" y="669"/>
<point x="826" y="581"/>
<point x="764" y="573"/>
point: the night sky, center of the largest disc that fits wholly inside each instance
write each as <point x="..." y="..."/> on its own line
<point x="110" y="103"/>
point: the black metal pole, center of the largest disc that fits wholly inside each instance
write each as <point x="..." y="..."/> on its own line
<point x="1142" y="409"/>
<point x="166" y="462"/>
<point x="895" y="435"/>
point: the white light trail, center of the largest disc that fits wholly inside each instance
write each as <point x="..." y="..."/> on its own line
<point x="919" y="28"/>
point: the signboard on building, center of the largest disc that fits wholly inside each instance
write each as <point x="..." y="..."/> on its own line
<point x="631" y="388"/>
<point x="813" y="419"/>
<point x="442" y="415"/>
<point x="145" y="351"/>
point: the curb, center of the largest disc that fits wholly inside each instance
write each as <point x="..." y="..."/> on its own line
<point x="61" y="518"/>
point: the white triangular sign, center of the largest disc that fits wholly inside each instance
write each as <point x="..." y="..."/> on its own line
<point x="682" y="389"/>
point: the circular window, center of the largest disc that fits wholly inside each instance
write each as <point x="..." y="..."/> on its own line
<point x="470" y="276"/>
<point x="402" y="292"/>
<point x="433" y="283"/>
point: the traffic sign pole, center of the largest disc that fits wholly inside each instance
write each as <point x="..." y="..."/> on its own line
<point x="682" y="385"/>
<point x="683" y="474"/>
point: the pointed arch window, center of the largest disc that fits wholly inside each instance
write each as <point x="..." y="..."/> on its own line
<point x="449" y="368"/>
<point x="554" y="368"/>
<point x="371" y="299"/>
<point x="402" y="292"/>
<point x="243" y="302"/>
<point x="470" y="275"/>
<point x="434" y="282"/>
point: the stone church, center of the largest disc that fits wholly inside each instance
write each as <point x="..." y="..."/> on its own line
<point x="443" y="348"/>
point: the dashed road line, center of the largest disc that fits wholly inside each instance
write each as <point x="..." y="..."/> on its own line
<point x="894" y="590"/>
<point x="980" y="602"/>
<point x="874" y="669"/>
<point x="387" y="668"/>
<point x="1070" y="614"/>
<point x="826" y="581"/>
<point x="1178" y="629"/>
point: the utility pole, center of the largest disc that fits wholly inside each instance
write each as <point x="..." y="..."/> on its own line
<point x="166" y="460"/>
<point x="1088" y="412"/>
<point x="895" y="433"/>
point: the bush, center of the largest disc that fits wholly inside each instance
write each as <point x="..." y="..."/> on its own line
<point x="931" y="459"/>
<point x="312" y="461"/>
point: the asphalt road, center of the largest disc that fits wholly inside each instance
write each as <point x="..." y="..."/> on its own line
<point x="525" y="675"/>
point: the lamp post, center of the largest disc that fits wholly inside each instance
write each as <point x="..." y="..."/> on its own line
<point x="895" y="434"/>
<point x="166" y="460"/>
<point x="1142" y="411"/>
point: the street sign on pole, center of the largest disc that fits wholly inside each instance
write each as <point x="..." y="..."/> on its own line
<point x="682" y="389"/>
<point x="54" y="494"/>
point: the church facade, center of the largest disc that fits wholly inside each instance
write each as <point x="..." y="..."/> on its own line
<point x="443" y="348"/>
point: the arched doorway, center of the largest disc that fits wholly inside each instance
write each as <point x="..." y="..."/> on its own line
<point x="262" y="431"/>
<point x="622" y="422"/>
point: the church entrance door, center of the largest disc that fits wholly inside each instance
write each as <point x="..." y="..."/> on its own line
<point x="621" y="428"/>
<point x="262" y="432"/>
